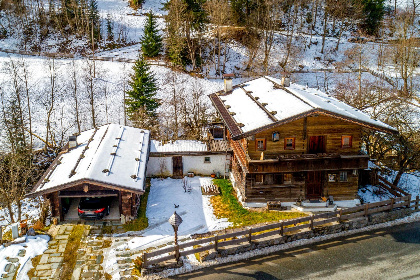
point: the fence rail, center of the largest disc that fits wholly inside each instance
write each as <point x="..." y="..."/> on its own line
<point x="278" y="229"/>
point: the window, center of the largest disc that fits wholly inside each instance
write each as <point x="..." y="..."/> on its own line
<point x="287" y="178"/>
<point x="331" y="178"/>
<point x="207" y="160"/>
<point x="260" y="142"/>
<point x="343" y="176"/>
<point x="346" y="141"/>
<point x="289" y="143"/>
<point x="276" y="136"/>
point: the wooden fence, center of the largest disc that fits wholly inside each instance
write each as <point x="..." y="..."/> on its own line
<point x="248" y="235"/>
<point x="393" y="189"/>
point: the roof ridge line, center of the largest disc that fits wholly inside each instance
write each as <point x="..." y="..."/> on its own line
<point x="290" y="92"/>
<point x="271" y="116"/>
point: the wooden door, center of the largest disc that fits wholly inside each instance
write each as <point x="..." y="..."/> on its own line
<point x="313" y="184"/>
<point x="177" y="170"/>
<point x="316" y="144"/>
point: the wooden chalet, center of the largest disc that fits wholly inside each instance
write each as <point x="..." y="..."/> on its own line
<point x="291" y="142"/>
<point x="109" y="161"/>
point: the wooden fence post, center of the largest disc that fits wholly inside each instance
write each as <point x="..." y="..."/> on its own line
<point x="366" y="209"/>
<point x="312" y="222"/>
<point x="144" y="260"/>
<point x="250" y="235"/>
<point x="392" y="204"/>
<point x="417" y="203"/>
<point x="216" y="240"/>
<point x="409" y="201"/>
<point x="340" y="215"/>
<point x="282" y="229"/>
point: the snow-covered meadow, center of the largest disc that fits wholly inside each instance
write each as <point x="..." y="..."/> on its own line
<point x="194" y="208"/>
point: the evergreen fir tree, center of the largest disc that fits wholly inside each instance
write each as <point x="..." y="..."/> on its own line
<point x="151" y="43"/>
<point x="109" y="28"/>
<point x="14" y="127"/>
<point x="141" y="100"/>
<point x="373" y="12"/>
<point x="94" y="21"/>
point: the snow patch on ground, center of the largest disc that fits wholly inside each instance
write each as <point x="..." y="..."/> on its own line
<point x="34" y="246"/>
<point x="409" y="182"/>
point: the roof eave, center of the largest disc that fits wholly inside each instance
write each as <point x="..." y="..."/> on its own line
<point x="84" y="181"/>
<point x="233" y="129"/>
<point x="312" y="112"/>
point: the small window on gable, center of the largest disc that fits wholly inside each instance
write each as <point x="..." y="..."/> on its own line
<point x="346" y="141"/>
<point x="276" y="136"/>
<point x="289" y="143"/>
<point x="287" y="178"/>
<point x="207" y="160"/>
<point x="343" y="176"/>
<point x="260" y="144"/>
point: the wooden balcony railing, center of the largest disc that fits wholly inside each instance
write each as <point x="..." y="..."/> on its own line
<point x="309" y="162"/>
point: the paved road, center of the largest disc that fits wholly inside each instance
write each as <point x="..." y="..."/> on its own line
<point x="391" y="253"/>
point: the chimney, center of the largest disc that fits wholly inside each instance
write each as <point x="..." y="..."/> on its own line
<point x="72" y="141"/>
<point x="228" y="81"/>
<point x="285" y="79"/>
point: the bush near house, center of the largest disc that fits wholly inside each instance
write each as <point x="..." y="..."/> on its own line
<point x="226" y="205"/>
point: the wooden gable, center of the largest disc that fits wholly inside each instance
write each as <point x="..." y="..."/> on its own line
<point x="301" y="130"/>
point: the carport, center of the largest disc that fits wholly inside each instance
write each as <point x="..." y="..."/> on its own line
<point x="109" y="161"/>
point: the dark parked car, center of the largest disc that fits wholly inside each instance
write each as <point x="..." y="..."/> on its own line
<point x="94" y="207"/>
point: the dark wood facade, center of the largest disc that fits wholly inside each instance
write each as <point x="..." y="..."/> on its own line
<point x="128" y="201"/>
<point x="309" y="158"/>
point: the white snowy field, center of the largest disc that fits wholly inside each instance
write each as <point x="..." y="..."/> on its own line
<point x="108" y="86"/>
<point x="193" y="207"/>
<point x="33" y="245"/>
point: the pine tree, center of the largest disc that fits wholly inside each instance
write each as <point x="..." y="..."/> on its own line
<point x="151" y="43"/>
<point x="141" y="98"/>
<point x="109" y="28"/>
<point x="373" y="12"/>
<point x="94" y="21"/>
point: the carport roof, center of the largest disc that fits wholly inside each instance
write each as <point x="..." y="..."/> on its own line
<point x="112" y="155"/>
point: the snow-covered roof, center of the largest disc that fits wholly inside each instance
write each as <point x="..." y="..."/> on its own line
<point x="112" y="154"/>
<point x="177" y="146"/>
<point x="264" y="102"/>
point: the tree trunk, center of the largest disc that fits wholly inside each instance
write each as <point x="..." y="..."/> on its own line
<point x="29" y="106"/>
<point x="324" y="33"/>
<point x="340" y="32"/>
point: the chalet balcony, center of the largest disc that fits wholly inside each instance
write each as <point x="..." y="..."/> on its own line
<point x="308" y="162"/>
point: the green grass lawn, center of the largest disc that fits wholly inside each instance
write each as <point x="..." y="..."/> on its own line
<point x="226" y="205"/>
